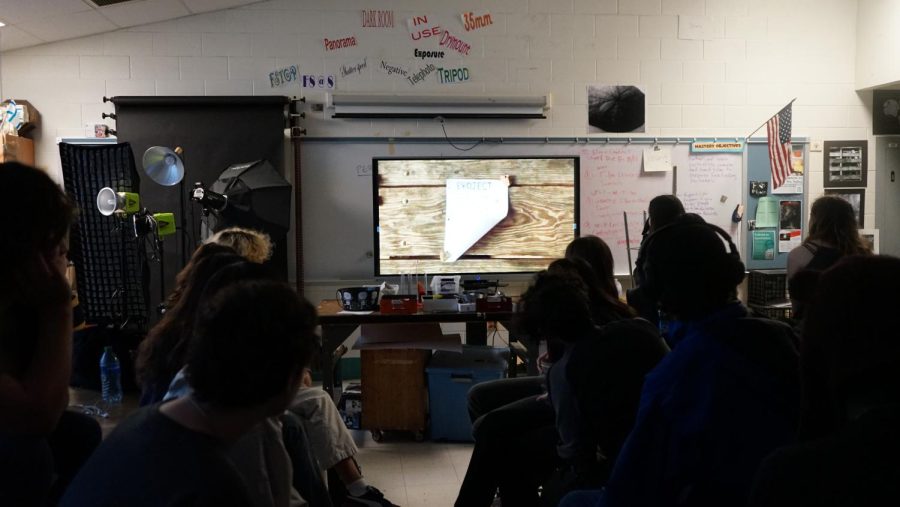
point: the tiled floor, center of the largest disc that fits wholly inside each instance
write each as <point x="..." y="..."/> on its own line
<point x="413" y="474"/>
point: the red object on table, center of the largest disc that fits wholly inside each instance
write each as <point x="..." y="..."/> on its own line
<point x="399" y="304"/>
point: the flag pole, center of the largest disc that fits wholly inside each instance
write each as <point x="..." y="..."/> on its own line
<point x="769" y="118"/>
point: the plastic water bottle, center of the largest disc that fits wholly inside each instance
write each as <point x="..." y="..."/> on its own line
<point x="110" y="377"/>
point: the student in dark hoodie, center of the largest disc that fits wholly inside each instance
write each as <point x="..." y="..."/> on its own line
<point x="725" y="397"/>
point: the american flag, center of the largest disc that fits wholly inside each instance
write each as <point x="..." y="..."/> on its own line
<point x="779" y="130"/>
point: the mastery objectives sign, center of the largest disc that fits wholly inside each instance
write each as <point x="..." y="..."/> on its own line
<point x="717" y="147"/>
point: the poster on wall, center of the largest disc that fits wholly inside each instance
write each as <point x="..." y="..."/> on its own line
<point x="615" y="108"/>
<point x="763" y="246"/>
<point x="789" y="232"/>
<point x="845" y="164"/>
<point x="793" y="184"/>
<point x="886" y="112"/>
<point x="856" y="197"/>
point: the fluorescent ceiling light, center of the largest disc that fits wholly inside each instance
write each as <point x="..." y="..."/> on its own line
<point x="351" y="105"/>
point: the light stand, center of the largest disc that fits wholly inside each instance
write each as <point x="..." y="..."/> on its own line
<point x="157" y="226"/>
<point x="121" y="205"/>
<point x="166" y="167"/>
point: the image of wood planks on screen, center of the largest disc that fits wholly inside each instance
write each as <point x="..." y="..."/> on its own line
<point x="473" y="216"/>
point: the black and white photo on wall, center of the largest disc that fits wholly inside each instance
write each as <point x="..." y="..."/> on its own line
<point x="846" y="164"/>
<point x="759" y="188"/>
<point x="886" y="112"/>
<point x="615" y="108"/>
<point x="856" y="197"/>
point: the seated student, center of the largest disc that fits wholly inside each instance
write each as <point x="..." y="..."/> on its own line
<point x="162" y="352"/>
<point x="850" y="429"/>
<point x="595" y="385"/>
<point x="596" y="253"/>
<point x="250" y="344"/>
<point x="332" y="445"/>
<point x="487" y="396"/>
<point x="516" y="443"/>
<point x="662" y="210"/>
<point x="39" y="439"/>
<point x="260" y="455"/>
<point x="833" y="234"/>
<point x="724" y="398"/>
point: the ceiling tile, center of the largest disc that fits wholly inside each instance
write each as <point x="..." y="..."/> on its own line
<point x="197" y="6"/>
<point x="68" y="26"/>
<point x="17" y="11"/>
<point x="144" y="11"/>
<point x="12" y="37"/>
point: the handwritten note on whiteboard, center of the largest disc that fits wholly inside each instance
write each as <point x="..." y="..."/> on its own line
<point x="612" y="182"/>
<point x="658" y="159"/>
<point x="711" y="187"/>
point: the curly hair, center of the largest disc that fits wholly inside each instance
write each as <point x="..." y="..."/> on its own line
<point x="255" y="246"/>
<point x="833" y="221"/>
<point x="555" y="307"/>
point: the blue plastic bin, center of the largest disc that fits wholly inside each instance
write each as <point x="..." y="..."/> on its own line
<point x="450" y="376"/>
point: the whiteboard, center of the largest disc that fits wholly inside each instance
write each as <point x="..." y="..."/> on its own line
<point x="336" y="185"/>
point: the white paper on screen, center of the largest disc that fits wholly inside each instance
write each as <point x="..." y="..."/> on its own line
<point x="473" y="208"/>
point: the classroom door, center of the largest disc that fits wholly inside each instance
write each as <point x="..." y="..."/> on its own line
<point x="889" y="195"/>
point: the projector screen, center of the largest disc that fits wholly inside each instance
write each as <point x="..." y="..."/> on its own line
<point x="473" y="215"/>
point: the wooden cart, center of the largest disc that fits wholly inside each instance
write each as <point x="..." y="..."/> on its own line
<point x="394" y="395"/>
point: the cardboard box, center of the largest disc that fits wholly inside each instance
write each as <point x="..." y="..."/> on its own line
<point x="16" y="149"/>
<point x="29" y="116"/>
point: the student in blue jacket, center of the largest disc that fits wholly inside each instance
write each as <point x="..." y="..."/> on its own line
<point x="725" y="397"/>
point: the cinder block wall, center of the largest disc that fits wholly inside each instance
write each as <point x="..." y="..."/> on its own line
<point x="758" y="55"/>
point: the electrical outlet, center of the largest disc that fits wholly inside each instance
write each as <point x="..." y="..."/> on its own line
<point x="363" y="170"/>
<point x="815" y="145"/>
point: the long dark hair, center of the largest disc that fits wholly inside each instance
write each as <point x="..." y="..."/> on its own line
<point x="596" y="253"/>
<point x="850" y="351"/>
<point x="833" y="221"/>
<point x="604" y="307"/>
<point x="183" y="278"/>
<point x="161" y="354"/>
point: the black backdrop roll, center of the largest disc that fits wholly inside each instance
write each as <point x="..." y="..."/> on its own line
<point x="215" y="132"/>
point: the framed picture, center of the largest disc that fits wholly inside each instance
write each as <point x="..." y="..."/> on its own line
<point x="886" y="112"/>
<point x="856" y="197"/>
<point x="845" y="164"/>
<point x="870" y="236"/>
